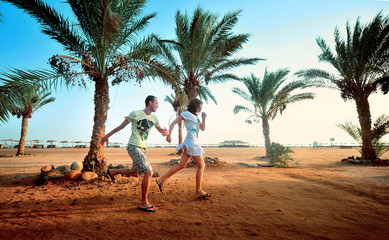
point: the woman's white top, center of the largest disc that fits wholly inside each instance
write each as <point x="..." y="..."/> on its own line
<point x="192" y="125"/>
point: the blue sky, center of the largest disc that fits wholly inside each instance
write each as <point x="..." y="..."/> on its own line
<point x="282" y="32"/>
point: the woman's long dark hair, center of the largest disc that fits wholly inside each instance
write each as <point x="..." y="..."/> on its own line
<point x="193" y="105"/>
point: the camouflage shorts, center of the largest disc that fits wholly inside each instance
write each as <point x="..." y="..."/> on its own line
<point x="139" y="160"/>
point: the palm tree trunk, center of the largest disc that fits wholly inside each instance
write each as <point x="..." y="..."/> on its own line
<point x="22" y="136"/>
<point x="180" y="133"/>
<point x="95" y="158"/>
<point x="180" y="138"/>
<point x="266" y="134"/>
<point x="364" y="116"/>
<point x="192" y="94"/>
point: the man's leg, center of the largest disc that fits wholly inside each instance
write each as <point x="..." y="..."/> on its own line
<point x="145" y="190"/>
<point x="142" y="166"/>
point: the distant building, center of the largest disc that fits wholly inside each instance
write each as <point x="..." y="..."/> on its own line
<point x="234" y="143"/>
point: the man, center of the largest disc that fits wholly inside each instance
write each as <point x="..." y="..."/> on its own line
<point x="142" y="121"/>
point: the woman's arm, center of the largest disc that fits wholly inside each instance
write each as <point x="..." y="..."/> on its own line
<point x="202" y="124"/>
<point x="178" y="119"/>
<point x="115" y="130"/>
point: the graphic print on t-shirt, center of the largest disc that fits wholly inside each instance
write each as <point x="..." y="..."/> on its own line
<point x="143" y="127"/>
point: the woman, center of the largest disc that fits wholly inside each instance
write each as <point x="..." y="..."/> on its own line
<point x="190" y="147"/>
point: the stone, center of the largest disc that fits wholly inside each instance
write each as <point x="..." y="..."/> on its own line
<point x="156" y="174"/>
<point x="59" y="176"/>
<point x="252" y="165"/>
<point x="87" y="176"/>
<point x="120" y="166"/>
<point x="366" y="162"/>
<point x="53" y="173"/>
<point x="76" y="166"/>
<point x="63" y="169"/>
<point x="47" y="168"/>
<point x="73" y="175"/>
<point x="354" y="161"/>
<point x="243" y="164"/>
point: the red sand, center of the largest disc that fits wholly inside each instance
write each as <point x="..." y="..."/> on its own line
<point x="323" y="199"/>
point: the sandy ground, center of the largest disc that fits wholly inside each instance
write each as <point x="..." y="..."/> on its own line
<point x="323" y="199"/>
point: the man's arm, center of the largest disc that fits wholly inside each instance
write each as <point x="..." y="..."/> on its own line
<point x="163" y="131"/>
<point x="115" y="130"/>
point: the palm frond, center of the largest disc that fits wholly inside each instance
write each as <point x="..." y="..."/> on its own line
<point x="205" y="94"/>
<point x="240" y="108"/>
<point x="352" y="130"/>
<point x="380" y="128"/>
<point x="318" y="78"/>
<point x="242" y="93"/>
<point x="53" y="24"/>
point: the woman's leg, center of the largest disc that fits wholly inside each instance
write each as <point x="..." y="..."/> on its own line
<point x="181" y="165"/>
<point x="199" y="174"/>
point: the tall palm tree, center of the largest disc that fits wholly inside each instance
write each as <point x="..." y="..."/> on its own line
<point x="379" y="130"/>
<point x="27" y="102"/>
<point x="362" y="64"/>
<point x="268" y="97"/>
<point x="203" y="49"/>
<point x="103" y="45"/>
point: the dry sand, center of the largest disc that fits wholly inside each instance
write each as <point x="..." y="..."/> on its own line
<point x="323" y="199"/>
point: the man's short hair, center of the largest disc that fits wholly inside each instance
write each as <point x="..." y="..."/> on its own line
<point x="148" y="99"/>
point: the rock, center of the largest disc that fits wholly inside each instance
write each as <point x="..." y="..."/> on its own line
<point x="156" y="174"/>
<point x="63" y="169"/>
<point x="253" y="165"/>
<point x="120" y="166"/>
<point x="243" y="164"/>
<point x="59" y="176"/>
<point x="53" y="173"/>
<point x="248" y="164"/>
<point x="73" y="175"/>
<point x="87" y="176"/>
<point x="47" y="168"/>
<point x="355" y="161"/>
<point x="365" y="162"/>
<point x="76" y="166"/>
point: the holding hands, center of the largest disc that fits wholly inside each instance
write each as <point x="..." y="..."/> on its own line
<point x="164" y="132"/>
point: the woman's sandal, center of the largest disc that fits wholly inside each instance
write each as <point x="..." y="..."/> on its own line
<point x="205" y="195"/>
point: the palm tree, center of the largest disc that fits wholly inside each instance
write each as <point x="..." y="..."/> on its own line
<point x="202" y="51"/>
<point x="27" y="102"/>
<point x="15" y="81"/>
<point x="268" y="97"/>
<point x="102" y="45"/>
<point x="379" y="130"/>
<point x="362" y="65"/>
